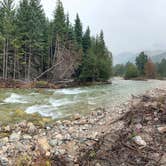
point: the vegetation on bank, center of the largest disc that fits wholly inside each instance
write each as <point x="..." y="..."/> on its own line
<point x="144" y="68"/>
<point x="32" y="47"/>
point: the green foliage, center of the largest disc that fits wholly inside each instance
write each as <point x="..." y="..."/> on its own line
<point x="30" y="43"/>
<point x="161" y="68"/>
<point x="141" y="60"/>
<point x="78" y="31"/>
<point x="131" y="71"/>
<point x="119" y="70"/>
<point x="59" y="23"/>
<point x="86" y="41"/>
<point x="97" y="65"/>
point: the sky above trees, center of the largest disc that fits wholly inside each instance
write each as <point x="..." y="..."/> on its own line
<point x="129" y="25"/>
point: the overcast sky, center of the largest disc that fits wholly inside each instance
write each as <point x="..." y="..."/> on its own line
<point x="129" y="25"/>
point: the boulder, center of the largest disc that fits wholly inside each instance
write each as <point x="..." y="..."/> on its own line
<point x="139" y="141"/>
<point x="4" y="161"/>
<point x="15" y="136"/>
<point x="32" y="129"/>
<point x="162" y="129"/>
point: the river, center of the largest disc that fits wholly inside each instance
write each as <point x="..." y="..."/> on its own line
<point x="63" y="103"/>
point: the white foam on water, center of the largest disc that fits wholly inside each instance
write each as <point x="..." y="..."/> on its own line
<point x="91" y="103"/>
<point x="70" y="91"/>
<point x="15" y="98"/>
<point x="60" y="102"/>
<point x="43" y="110"/>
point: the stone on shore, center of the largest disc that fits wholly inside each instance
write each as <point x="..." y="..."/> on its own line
<point x="139" y="141"/>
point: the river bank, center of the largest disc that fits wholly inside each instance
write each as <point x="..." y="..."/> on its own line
<point x="10" y="83"/>
<point x="82" y="140"/>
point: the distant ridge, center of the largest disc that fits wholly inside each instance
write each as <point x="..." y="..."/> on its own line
<point x="125" y="57"/>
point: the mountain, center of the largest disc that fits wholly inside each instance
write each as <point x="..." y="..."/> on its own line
<point x="158" y="58"/>
<point x="125" y="57"/>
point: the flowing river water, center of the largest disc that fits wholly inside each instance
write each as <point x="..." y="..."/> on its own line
<point x="63" y="103"/>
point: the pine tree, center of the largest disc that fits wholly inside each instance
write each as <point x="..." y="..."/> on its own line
<point x="78" y="31"/>
<point x="141" y="60"/>
<point x="59" y="23"/>
<point x="86" y="41"/>
<point x="8" y="29"/>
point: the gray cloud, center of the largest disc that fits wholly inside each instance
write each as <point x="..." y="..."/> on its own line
<point x="129" y="25"/>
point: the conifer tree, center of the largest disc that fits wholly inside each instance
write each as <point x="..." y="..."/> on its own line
<point x="78" y="31"/>
<point x="59" y="23"/>
<point x="86" y="41"/>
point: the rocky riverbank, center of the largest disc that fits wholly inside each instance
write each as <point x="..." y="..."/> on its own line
<point x="132" y="134"/>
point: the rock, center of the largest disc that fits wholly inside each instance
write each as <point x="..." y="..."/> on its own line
<point x="3" y="141"/>
<point x="44" y="144"/>
<point x="94" y="135"/>
<point x="32" y="129"/>
<point x="71" y="130"/>
<point x="7" y="129"/>
<point x="3" y="161"/>
<point x="53" y="142"/>
<point x="97" y="164"/>
<point x="62" y="151"/>
<point x="77" y="117"/>
<point x="27" y="137"/>
<point x="59" y="136"/>
<point x="163" y="159"/>
<point x="139" y="141"/>
<point x="20" y="147"/>
<point x="138" y="126"/>
<point x="162" y="129"/>
<point x="15" y="136"/>
<point x="23" y="124"/>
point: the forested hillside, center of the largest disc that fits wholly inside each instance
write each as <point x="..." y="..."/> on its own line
<point x="32" y="47"/>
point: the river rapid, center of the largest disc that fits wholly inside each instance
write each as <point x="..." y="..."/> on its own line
<point x="63" y="103"/>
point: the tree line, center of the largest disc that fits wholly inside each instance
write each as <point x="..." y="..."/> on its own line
<point x="143" y="67"/>
<point x="32" y="47"/>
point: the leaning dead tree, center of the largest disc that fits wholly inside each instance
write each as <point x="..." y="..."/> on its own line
<point x="65" y="62"/>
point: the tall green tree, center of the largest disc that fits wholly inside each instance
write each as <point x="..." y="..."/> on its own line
<point x="131" y="71"/>
<point x="59" y="23"/>
<point x="161" y="68"/>
<point x="78" y="31"/>
<point x="8" y="29"/>
<point x="141" y="60"/>
<point x="86" y="41"/>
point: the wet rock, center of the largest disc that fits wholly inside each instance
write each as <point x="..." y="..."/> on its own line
<point x="3" y="161"/>
<point x="77" y="117"/>
<point x="139" y="141"/>
<point x="15" y="136"/>
<point x="162" y="129"/>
